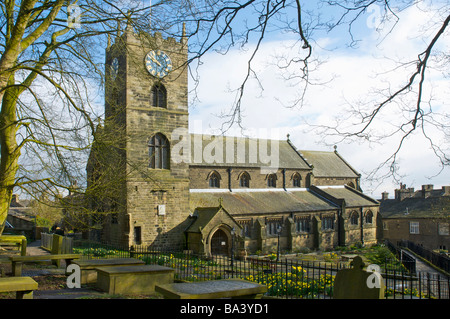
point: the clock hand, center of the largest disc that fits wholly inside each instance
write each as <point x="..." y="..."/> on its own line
<point x="155" y="60"/>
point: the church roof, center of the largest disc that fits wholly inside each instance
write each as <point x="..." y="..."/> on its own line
<point x="352" y="197"/>
<point x="261" y="201"/>
<point x="204" y="215"/>
<point x="210" y="150"/>
<point x="328" y="164"/>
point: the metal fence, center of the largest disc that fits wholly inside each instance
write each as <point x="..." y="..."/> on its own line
<point x="405" y="259"/>
<point x="287" y="278"/>
<point x="418" y="286"/>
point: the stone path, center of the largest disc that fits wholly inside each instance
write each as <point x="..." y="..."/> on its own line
<point x="34" y="249"/>
<point x="423" y="267"/>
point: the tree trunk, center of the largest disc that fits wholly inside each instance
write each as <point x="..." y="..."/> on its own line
<point x="9" y="150"/>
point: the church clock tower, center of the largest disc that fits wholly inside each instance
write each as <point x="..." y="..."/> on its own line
<point x="146" y="101"/>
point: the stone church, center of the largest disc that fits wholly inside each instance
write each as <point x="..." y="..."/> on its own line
<point x="168" y="189"/>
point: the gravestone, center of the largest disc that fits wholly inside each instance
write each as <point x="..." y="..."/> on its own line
<point x="89" y="267"/>
<point x="212" y="289"/>
<point x="133" y="279"/>
<point x="357" y="283"/>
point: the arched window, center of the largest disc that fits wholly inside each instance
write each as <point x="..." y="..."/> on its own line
<point x="244" y="180"/>
<point x="214" y="179"/>
<point x="369" y="217"/>
<point x="327" y="223"/>
<point x="354" y="218"/>
<point x="158" y="149"/>
<point x="296" y="180"/>
<point x="272" y="180"/>
<point x="273" y="226"/>
<point x="159" y="96"/>
<point x="303" y="225"/>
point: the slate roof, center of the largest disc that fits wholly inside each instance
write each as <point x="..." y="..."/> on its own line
<point x="261" y="202"/>
<point x="415" y="207"/>
<point x="328" y="164"/>
<point x="204" y="149"/>
<point x="352" y="197"/>
<point x="203" y="216"/>
<point x="24" y="213"/>
<point x="288" y="157"/>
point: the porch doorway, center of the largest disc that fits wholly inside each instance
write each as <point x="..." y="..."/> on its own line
<point x="220" y="243"/>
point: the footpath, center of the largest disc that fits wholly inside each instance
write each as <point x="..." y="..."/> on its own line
<point x="34" y="249"/>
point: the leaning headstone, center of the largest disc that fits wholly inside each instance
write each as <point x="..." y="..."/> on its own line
<point x="357" y="283"/>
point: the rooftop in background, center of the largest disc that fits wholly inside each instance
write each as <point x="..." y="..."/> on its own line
<point x="409" y="203"/>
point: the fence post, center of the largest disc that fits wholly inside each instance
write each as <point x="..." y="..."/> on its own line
<point x="448" y="287"/>
<point x="132" y="251"/>
<point x="56" y="248"/>
<point x="420" y="285"/>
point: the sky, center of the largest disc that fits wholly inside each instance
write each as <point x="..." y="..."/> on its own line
<point x="345" y="78"/>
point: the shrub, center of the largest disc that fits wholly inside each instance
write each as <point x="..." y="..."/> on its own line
<point x="378" y="255"/>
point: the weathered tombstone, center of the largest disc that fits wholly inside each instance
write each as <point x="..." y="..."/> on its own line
<point x="357" y="283"/>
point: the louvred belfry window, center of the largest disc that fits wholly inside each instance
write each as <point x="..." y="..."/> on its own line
<point x="159" y="96"/>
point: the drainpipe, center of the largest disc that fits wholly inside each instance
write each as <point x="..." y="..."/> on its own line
<point x="284" y="178"/>
<point x="362" y="227"/>
<point x="229" y="178"/>
<point x="341" y="226"/>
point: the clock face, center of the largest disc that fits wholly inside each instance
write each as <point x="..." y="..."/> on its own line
<point x="114" y="68"/>
<point x="158" y="63"/>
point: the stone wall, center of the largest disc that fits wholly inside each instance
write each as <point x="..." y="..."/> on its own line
<point x="429" y="235"/>
<point x="316" y="237"/>
<point x="199" y="177"/>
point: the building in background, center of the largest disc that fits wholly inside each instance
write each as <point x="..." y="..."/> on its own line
<point x="422" y="216"/>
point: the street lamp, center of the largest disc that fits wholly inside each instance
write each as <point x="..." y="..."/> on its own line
<point x="233" y="232"/>
<point x="278" y="242"/>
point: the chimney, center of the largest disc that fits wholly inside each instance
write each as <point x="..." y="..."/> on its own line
<point x="384" y="196"/>
<point x="403" y="192"/>
<point x="15" y="199"/>
<point x="445" y="190"/>
<point x="426" y="190"/>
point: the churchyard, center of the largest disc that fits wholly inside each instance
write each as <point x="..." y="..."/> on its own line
<point x="307" y="275"/>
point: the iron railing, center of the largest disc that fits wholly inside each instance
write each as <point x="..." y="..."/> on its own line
<point x="287" y="278"/>
<point x="439" y="260"/>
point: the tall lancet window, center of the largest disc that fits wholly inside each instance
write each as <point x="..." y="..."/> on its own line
<point x="159" y="151"/>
